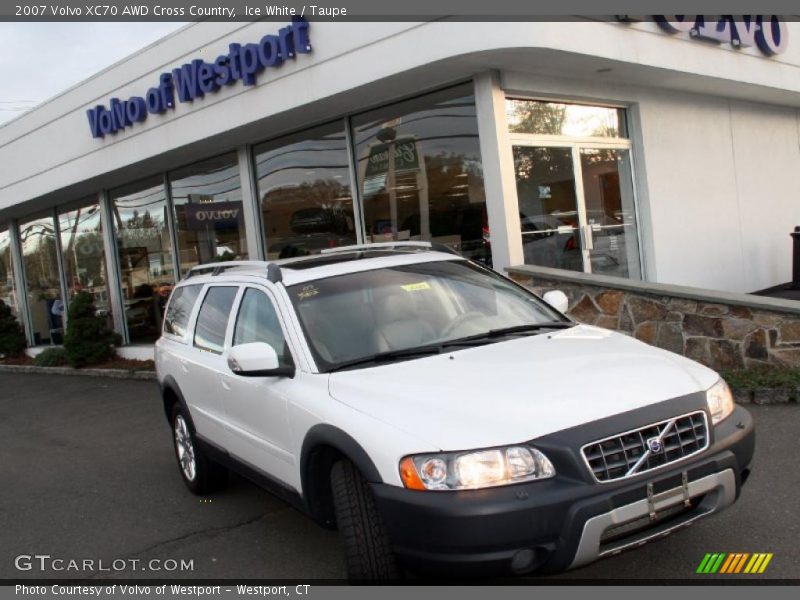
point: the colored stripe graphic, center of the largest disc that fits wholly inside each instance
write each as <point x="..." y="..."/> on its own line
<point x="765" y="563"/>
<point x="754" y="564"/>
<point x="703" y="563"/>
<point x="740" y="564"/>
<point x="728" y="562"/>
<point x="734" y="562"/>
<point x="711" y="563"/>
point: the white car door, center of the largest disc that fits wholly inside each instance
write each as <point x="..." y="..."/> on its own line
<point x="257" y="407"/>
<point x="203" y="362"/>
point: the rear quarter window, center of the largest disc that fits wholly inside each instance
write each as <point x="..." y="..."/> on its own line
<point x="176" y="320"/>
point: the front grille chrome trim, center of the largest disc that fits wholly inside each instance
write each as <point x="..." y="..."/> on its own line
<point x="664" y="428"/>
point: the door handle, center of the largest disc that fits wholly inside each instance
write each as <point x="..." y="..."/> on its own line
<point x="587" y="237"/>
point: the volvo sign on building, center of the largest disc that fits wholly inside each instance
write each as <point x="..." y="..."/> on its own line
<point x="243" y="62"/>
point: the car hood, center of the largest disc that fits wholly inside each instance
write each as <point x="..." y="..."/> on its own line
<point x="519" y="389"/>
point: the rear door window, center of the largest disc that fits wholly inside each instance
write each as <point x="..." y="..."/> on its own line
<point x="212" y="320"/>
<point x="176" y="320"/>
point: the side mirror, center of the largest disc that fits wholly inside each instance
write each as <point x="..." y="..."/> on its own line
<point x="557" y="299"/>
<point x="257" y="359"/>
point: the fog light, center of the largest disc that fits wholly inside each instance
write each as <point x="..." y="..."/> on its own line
<point x="523" y="561"/>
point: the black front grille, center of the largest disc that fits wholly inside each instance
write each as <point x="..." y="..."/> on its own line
<point x="628" y="454"/>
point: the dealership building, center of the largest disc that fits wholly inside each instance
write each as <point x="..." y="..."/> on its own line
<point x="664" y="150"/>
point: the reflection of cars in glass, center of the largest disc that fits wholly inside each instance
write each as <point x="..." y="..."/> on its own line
<point x="303" y="245"/>
<point x="386" y="389"/>
<point x="469" y="223"/>
<point x="317" y="228"/>
<point x="320" y="220"/>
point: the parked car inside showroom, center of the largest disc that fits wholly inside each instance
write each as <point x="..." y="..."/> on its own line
<point x="444" y="418"/>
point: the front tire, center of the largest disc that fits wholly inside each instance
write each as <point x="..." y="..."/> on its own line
<point x="200" y="474"/>
<point x="368" y="553"/>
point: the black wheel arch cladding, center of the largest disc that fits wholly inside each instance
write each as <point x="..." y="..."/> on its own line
<point x="315" y="466"/>
<point x="171" y="394"/>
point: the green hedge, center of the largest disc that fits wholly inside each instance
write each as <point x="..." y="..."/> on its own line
<point x="763" y="377"/>
<point x="12" y="338"/>
<point x="52" y="357"/>
<point x="88" y="340"/>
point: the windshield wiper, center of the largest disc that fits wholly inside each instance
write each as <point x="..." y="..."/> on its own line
<point x="516" y="329"/>
<point x="389" y="356"/>
<point x="530" y="327"/>
<point x="428" y="350"/>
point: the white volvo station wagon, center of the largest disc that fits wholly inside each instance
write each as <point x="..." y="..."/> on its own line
<point x="444" y="418"/>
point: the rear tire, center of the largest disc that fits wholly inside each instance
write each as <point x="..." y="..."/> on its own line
<point x="200" y="474"/>
<point x="367" y="551"/>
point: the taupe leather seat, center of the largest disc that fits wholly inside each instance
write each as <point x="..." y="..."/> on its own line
<point x="399" y="323"/>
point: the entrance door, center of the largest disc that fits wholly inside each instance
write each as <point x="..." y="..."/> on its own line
<point x="549" y="210"/>
<point x="610" y="211"/>
<point x="575" y="186"/>
<point x="576" y="207"/>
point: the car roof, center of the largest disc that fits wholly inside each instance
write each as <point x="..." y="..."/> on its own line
<point x="317" y="266"/>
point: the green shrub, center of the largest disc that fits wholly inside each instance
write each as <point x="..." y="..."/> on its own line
<point x="763" y="377"/>
<point x="12" y="339"/>
<point x="52" y="357"/>
<point x="88" y="340"/>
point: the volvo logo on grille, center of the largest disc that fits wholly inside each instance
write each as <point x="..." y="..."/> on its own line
<point x="654" y="445"/>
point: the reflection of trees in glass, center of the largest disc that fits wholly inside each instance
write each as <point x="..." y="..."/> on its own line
<point x="144" y="221"/>
<point x="6" y="274"/>
<point x="319" y="191"/>
<point x="552" y="118"/>
<point x="82" y="247"/>
<point x="542" y="165"/>
<point x="39" y="255"/>
<point x="599" y="155"/>
<point x="536" y="117"/>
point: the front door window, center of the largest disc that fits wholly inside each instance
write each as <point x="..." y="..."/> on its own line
<point x="574" y="187"/>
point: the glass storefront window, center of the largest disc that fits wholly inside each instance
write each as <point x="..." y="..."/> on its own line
<point x="207" y="197"/>
<point x="40" y="257"/>
<point x="144" y="247"/>
<point x="304" y="190"/>
<point x="7" y="290"/>
<point x="420" y="172"/>
<point x="83" y="254"/>
<point x="571" y="120"/>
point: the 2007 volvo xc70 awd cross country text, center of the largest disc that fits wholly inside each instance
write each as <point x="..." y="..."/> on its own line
<point x="444" y="418"/>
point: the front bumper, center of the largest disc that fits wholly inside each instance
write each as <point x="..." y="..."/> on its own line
<point x="570" y="520"/>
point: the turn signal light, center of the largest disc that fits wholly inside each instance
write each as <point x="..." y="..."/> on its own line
<point x="409" y="475"/>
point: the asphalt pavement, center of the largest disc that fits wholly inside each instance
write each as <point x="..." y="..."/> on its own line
<point x="87" y="473"/>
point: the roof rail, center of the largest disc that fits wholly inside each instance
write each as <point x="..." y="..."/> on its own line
<point x="378" y="245"/>
<point x="273" y="271"/>
<point x="222" y="266"/>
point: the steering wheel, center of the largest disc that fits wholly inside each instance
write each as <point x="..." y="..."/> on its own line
<point x="459" y="321"/>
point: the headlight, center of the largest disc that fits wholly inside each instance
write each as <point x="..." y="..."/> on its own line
<point x="473" y="470"/>
<point x="720" y="401"/>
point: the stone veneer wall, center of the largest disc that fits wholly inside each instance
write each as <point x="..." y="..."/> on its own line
<point x="718" y="329"/>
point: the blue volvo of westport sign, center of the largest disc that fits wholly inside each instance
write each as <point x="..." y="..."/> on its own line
<point x="243" y="62"/>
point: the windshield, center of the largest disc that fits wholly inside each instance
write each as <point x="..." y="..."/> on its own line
<point x="356" y="316"/>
